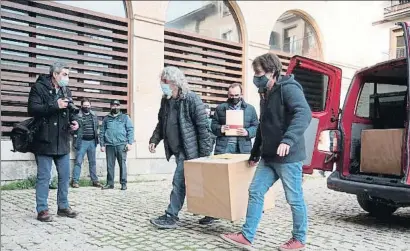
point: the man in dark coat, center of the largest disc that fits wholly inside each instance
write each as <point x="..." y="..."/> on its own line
<point x="240" y="144"/>
<point x="280" y="147"/>
<point x="50" y="103"/>
<point x="182" y="124"/>
<point x="85" y="141"/>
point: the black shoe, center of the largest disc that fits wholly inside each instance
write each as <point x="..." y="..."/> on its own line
<point x="107" y="187"/>
<point x="207" y="220"/>
<point x="124" y="187"/>
<point x="165" y="222"/>
<point x="43" y="216"/>
<point x="67" y="212"/>
<point x="97" y="184"/>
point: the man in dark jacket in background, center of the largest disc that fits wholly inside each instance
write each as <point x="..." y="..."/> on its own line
<point x="241" y="144"/>
<point x="280" y="143"/>
<point x="209" y="117"/>
<point x="116" y="139"/>
<point x="183" y="125"/>
<point x="49" y="103"/>
<point x="85" y="142"/>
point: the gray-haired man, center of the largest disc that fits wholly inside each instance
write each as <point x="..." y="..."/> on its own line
<point x="49" y="102"/>
<point x="183" y="125"/>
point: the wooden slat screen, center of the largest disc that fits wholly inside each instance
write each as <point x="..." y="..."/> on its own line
<point x="209" y="64"/>
<point x="34" y="34"/>
<point x="284" y="59"/>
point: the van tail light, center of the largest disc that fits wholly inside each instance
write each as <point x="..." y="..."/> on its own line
<point x="329" y="141"/>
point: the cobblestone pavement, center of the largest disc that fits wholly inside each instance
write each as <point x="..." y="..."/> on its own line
<point x="119" y="220"/>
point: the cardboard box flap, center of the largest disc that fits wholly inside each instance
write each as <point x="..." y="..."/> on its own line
<point x="222" y="158"/>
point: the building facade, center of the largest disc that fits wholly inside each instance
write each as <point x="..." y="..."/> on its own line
<point x="118" y="52"/>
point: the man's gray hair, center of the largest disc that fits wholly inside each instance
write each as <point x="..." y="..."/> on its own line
<point x="177" y="77"/>
<point x="58" y="67"/>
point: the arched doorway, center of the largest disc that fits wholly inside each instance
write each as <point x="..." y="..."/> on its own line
<point x="295" y="33"/>
<point x="205" y="40"/>
<point x="93" y="38"/>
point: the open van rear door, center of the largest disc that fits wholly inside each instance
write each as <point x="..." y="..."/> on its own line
<point x="406" y="33"/>
<point x="322" y="85"/>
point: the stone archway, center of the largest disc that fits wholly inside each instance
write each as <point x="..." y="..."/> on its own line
<point x="205" y="39"/>
<point x="296" y="33"/>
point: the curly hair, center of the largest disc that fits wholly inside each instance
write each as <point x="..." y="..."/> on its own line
<point x="269" y="62"/>
<point x="176" y="77"/>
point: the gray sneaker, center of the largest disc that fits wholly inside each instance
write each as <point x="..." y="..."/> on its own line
<point x="165" y="222"/>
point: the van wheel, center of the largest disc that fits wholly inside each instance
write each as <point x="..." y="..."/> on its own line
<point x="374" y="208"/>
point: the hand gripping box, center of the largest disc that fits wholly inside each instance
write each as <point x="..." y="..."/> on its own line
<point x="217" y="186"/>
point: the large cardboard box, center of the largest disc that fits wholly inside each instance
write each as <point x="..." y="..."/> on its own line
<point x="217" y="186"/>
<point x="381" y="151"/>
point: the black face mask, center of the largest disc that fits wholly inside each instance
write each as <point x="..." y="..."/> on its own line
<point x="85" y="109"/>
<point x="261" y="81"/>
<point x="115" y="110"/>
<point x="234" y="101"/>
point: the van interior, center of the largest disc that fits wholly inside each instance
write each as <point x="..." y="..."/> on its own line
<point x="380" y="104"/>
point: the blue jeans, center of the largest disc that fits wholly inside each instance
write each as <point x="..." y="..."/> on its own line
<point x="51" y="176"/>
<point x="44" y="163"/>
<point x="87" y="147"/>
<point x="178" y="192"/>
<point x="266" y="174"/>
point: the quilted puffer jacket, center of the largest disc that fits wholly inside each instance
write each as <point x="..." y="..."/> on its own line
<point x="193" y="124"/>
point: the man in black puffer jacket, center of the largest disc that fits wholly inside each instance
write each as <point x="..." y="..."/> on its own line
<point x="183" y="125"/>
<point x="49" y="102"/>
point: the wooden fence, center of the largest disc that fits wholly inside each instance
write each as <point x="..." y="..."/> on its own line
<point x="210" y="65"/>
<point x="34" y="34"/>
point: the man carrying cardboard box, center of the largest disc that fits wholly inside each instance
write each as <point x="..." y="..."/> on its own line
<point x="183" y="125"/>
<point x="241" y="141"/>
<point x="285" y="115"/>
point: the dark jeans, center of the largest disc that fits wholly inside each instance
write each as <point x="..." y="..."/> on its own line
<point x="120" y="154"/>
<point x="44" y="163"/>
<point x="178" y="192"/>
<point x="87" y="146"/>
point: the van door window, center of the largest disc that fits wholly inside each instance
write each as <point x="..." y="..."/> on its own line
<point x="315" y="86"/>
<point x="384" y="104"/>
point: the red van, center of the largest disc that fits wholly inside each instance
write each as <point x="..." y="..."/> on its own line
<point x="377" y="99"/>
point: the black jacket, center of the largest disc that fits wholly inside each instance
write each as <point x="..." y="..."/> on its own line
<point x="78" y="135"/>
<point x="250" y="124"/>
<point x="193" y="125"/>
<point x="53" y="136"/>
<point x="285" y="116"/>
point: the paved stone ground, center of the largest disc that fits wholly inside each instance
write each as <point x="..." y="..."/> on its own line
<point x="118" y="220"/>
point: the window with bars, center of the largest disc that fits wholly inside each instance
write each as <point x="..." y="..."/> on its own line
<point x="400" y="47"/>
